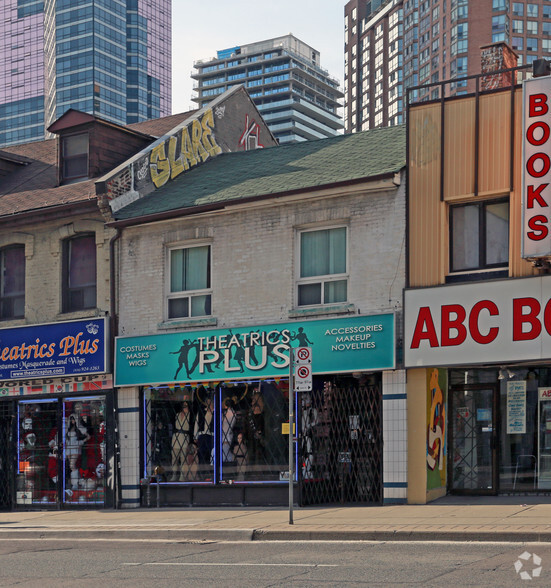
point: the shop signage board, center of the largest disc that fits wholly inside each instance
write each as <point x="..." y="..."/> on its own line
<point x="487" y="322"/>
<point x="54" y="350"/>
<point x="338" y="346"/>
<point x="536" y="168"/>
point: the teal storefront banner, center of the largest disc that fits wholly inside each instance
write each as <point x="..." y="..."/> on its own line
<point x="360" y="343"/>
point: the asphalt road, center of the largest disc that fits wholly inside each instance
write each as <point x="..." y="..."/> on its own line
<point x="44" y="563"/>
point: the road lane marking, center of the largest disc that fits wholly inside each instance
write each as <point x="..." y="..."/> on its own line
<point x="302" y="565"/>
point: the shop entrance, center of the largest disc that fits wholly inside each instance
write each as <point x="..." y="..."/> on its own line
<point x="61" y="459"/>
<point x="341" y="445"/>
<point x="473" y="439"/>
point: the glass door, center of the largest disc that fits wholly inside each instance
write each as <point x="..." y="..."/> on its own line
<point x="473" y="440"/>
<point x="84" y="451"/>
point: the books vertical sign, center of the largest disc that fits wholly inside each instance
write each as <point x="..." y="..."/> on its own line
<point x="516" y="407"/>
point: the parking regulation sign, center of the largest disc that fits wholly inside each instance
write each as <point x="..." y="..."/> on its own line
<point x="303" y="378"/>
<point x="302" y="355"/>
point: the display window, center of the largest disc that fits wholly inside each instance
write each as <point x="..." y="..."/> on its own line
<point x="61" y="451"/>
<point x="501" y="429"/>
<point x="233" y="432"/>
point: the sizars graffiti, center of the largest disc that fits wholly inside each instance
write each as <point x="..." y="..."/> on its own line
<point x="192" y="145"/>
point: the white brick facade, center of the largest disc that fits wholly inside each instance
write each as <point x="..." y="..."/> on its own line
<point x="254" y="264"/>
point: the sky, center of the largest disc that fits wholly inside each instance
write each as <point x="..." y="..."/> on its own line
<point x="201" y="28"/>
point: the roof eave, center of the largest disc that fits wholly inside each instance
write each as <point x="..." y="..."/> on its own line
<point x="192" y="210"/>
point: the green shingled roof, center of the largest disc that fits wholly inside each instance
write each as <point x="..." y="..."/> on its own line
<point x="300" y="166"/>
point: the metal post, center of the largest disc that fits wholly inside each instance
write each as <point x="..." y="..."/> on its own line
<point x="291" y="419"/>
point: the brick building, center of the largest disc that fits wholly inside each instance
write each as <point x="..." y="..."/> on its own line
<point x="222" y="272"/>
<point x="58" y="406"/>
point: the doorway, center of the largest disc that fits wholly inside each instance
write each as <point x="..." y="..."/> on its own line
<point x="61" y="452"/>
<point x="473" y="439"/>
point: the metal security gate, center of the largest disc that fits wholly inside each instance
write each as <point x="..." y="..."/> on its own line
<point x="341" y="449"/>
<point x="6" y="456"/>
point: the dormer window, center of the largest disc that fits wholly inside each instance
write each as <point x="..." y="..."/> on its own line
<point x="74" y="157"/>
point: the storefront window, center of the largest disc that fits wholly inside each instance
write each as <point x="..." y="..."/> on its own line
<point x="501" y="429"/>
<point x="525" y="439"/>
<point x="61" y="451"/>
<point x="231" y="433"/>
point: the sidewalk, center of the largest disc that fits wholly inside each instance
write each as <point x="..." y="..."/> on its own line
<point x="518" y="518"/>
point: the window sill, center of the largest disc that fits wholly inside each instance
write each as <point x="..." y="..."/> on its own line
<point x="477" y="276"/>
<point x="81" y="314"/>
<point x="343" y="308"/>
<point x="191" y="322"/>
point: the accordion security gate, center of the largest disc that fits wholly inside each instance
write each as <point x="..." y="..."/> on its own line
<point x="6" y="457"/>
<point x="341" y="446"/>
<point x="239" y="436"/>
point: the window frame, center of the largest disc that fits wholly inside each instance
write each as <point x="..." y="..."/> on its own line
<point x="65" y="177"/>
<point x="482" y="231"/>
<point x="187" y="294"/>
<point x="67" y="292"/>
<point x="322" y="279"/>
<point x="14" y="298"/>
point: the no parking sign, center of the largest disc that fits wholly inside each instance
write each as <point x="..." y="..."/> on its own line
<point x="303" y="368"/>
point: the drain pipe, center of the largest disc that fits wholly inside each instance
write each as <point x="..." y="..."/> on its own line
<point x="113" y="332"/>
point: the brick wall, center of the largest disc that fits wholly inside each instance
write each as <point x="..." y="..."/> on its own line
<point x="43" y="260"/>
<point x="254" y="259"/>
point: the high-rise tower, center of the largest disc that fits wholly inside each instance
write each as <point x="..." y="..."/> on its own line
<point x="392" y="45"/>
<point x="297" y="98"/>
<point x="110" y="58"/>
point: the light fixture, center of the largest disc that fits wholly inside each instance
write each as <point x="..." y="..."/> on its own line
<point x="505" y="373"/>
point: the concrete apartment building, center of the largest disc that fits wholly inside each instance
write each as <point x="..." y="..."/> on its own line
<point x="398" y="44"/>
<point x="295" y="95"/>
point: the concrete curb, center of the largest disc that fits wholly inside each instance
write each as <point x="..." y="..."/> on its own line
<point x="244" y="535"/>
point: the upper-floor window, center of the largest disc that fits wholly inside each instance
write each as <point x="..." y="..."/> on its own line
<point x="79" y="273"/>
<point x="479" y="236"/>
<point x="323" y="277"/>
<point x="12" y="282"/>
<point x="74" y="157"/>
<point x="190" y="290"/>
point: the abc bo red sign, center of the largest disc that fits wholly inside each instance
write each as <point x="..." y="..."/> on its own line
<point x="478" y="323"/>
<point x="536" y="241"/>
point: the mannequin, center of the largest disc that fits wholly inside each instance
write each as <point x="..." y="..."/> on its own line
<point x="256" y="430"/>
<point x="204" y="432"/>
<point x="180" y="442"/>
<point x="53" y="442"/>
<point x="241" y="456"/>
<point x="74" y="438"/>
<point x="228" y="423"/>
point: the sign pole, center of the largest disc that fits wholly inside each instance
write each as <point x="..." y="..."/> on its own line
<point x="291" y="419"/>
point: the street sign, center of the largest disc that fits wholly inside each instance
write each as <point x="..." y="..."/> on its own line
<point x="303" y="378"/>
<point x="302" y="355"/>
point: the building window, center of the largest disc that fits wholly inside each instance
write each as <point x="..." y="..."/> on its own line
<point x="531" y="44"/>
<point x="518" y="9"/>
<point x="190" y="294"/>
<point x="532" y="10"/>
<point x="479" y="236"/>
<point x="79" y="269"/>
<point x="74" y="157"/>
<point x="323" y="267"/>
<point x="532" y="27"/>
<point x="12" y="282"/>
